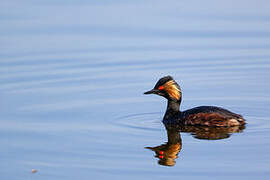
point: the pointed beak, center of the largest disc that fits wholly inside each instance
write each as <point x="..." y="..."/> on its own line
<point x="153" y="91"/>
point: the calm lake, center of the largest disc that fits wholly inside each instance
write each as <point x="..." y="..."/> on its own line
<point x="73" y="73"/>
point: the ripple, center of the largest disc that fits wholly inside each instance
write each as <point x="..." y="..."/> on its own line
<point x="153" y="122"/>
<point x="258" y="124"/>
<point x="143" y="121"/>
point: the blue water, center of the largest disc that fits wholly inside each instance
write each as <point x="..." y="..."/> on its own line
<point x="73" y="73"/>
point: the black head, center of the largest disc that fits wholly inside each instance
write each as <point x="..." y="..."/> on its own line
<point x="168" y="88"/>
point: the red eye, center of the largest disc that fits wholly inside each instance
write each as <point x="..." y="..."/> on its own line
<point x="161" y="87"/>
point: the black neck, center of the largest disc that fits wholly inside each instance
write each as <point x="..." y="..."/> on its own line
<point x="172" y="109"/>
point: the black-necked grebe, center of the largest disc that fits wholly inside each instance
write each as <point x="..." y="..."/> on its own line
<point x="202" y="115"/>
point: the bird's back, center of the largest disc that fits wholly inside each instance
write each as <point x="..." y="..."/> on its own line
<point x="211" y="116"/>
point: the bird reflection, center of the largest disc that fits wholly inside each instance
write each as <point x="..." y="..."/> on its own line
<point x="167" y="153"/>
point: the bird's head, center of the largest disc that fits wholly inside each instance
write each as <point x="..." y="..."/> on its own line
<point x="168" y="88"/>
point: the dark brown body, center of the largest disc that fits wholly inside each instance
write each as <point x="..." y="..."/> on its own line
<point x="211" y="116"/>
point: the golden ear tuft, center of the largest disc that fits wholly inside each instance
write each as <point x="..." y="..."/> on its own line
<point x="172" y="89"/>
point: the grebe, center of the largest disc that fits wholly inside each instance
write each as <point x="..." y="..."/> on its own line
<point x="202" y="115"/>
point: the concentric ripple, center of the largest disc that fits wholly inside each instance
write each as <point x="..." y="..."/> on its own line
<point x="144" y="121"/>
<point x="153" y="122"/>
<point x="258" y="124"/>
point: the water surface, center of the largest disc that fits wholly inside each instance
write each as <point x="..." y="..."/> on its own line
<point x="73" y="73"/>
